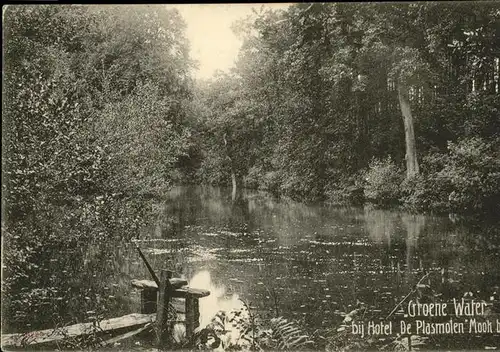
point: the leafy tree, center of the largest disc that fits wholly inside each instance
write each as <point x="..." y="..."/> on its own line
<point x="71" y="71"/>
<point x="329" y="87"/>
<point x="141" y="141"/>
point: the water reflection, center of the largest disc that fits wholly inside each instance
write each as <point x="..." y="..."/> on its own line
<point x="317" y="260"/>
<point x="381" y="225"/>
<point x="308" y="263"/>
<point x="219" y="299"/>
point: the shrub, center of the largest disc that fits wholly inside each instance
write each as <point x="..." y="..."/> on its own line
<point x="430" y="189"/>
<point x="382" y="182"/>
<point x="259" y="178"/>
<point x="254" y="177"/>
<point x="300" y="185"/>
<point x="464" y="180"/>
<point x="347" y="190"/>
<point x="473" y="170"/>
<point x="271" y="182"/>
<point x="213" y="170"/>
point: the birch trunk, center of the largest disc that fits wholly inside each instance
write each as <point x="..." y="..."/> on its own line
<point x="411" y="150"/>
<point x="233" y="181"/>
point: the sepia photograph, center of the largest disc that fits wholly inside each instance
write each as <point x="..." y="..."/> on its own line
<point x="251" y="176"/>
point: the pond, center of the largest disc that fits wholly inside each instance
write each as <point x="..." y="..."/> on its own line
<point x="309" y="263"/>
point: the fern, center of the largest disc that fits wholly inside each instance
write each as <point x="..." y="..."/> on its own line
<point x="286" y="335"/>
<point x="239" y="329"/>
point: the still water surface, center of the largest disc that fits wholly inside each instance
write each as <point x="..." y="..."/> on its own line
<point x="311" y="263"/>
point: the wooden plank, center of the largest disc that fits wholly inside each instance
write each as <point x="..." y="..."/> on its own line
<point x="188" y="291"/>
<point x="143" y="284"/>
<point x="126" y="335"/>
<point x="181" y="292"/>
<point x="57" y="334"/>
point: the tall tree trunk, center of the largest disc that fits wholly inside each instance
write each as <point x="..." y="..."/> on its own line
<point x="411" y="150"/>
<point x="233" y="181"/>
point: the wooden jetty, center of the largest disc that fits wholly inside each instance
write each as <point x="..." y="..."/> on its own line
<point x="154" y="312"/>
<point x="59" y="334"/>
<point x="169" y="288"/>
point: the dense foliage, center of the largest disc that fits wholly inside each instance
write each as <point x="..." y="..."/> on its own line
<point x="95" y="121"/>
<point x="316" y="103"/>
<point x="89" y="91"/>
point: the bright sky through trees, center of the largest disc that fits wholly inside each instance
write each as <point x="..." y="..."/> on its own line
<point x="213" y="44"/>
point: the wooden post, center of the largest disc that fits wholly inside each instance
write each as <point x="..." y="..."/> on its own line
<point x="189" y="316"/>
<point x="148" y="300"/>
<point x="192" y="315"/>
<point x="196" y="313"/>
<point x="164" y="295"/>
